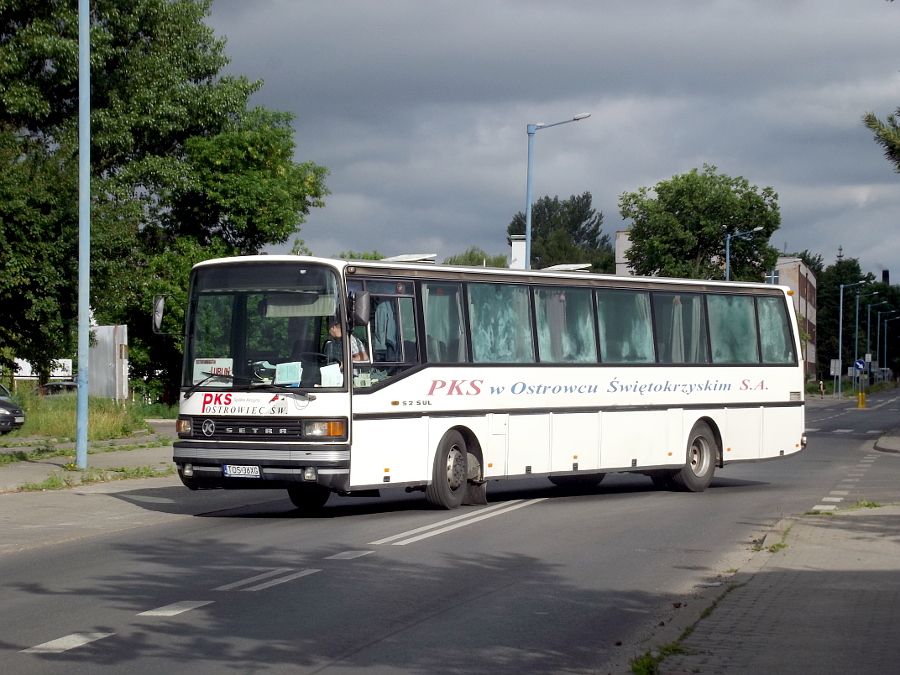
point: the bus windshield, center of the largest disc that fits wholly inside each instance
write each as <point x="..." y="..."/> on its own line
<point x="264" y="325"/>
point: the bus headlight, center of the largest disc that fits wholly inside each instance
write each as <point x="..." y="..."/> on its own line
<point x="323" y="429"/>
<point x="183" y="427"/>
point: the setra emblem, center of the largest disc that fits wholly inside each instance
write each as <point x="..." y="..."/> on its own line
<point x="208" y="428"/>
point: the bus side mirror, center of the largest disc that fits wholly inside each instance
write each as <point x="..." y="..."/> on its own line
<point x="358" y="308"/>
<point x="159" y="305"/>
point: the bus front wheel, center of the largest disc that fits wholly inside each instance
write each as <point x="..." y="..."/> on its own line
<point x="308" y="498"/>
<point x="702" y="450"/>
<point x="450" y="476"/>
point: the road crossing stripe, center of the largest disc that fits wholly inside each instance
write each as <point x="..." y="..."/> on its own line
<point x="281" y="580"/>
<point x="441" y="523"/>
<point x="466" y="522"/>
<point x="348" y="555"/>
<point x="258" y="577"/>
<point x="66" y="643"/>
<point x="176" y="608"/>
<point x="824" y="507"/>
<point x="843" y="431"/>
<point x="809" y="431"/>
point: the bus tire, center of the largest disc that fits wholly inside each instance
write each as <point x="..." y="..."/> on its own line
<point x="585" y="481"/>
<point x="702" y="451"/>
<point x="449" y="478"/>
<point x="308" y="498"/>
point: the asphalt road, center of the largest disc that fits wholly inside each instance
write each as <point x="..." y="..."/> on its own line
<point x="539" y="581"/>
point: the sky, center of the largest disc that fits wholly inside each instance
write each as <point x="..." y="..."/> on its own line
<point x="419" y="110"/>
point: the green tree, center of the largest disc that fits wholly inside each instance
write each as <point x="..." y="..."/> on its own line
<point x="679" y="231"/>
<point x="828" y="311"/>
<point x="566" y="231"/>
<point x="179" y="161"/>
<point x="359" y="255"/>
<point x="476" y="257"/>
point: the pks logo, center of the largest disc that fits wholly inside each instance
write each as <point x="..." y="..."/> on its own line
<point x="215" y="399"/>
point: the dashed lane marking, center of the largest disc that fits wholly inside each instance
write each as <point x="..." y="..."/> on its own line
<point x="839" y="492"/>
<point x="843" y="431"/>
<point x="66" y="643"/>
<point x="176" y="608"/>
<point x="809" y="431"/>
<point x="348" y="555"/>
<point x="824" y="507"/>
<point x="874" y="431"/>
<point x="832" y="499"/>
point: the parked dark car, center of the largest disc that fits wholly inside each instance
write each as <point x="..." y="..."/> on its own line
<point x="11" y="415"/>
<point x="54" y="388"/>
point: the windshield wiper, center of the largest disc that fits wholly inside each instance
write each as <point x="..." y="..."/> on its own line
<point x="210" y="376"/>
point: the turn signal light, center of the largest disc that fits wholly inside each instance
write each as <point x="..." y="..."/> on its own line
<point x="183" y="427"/>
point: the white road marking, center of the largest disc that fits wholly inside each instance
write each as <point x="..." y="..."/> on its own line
<point x="843" y="431"/>
<point x="348" y="555"/>
<point x="824" y="507"/>
<point x="258" y="577"/>
<point x="850" y="480"/>
<point x="839" y="492"/>
<point x="874" y="431"/>
<point x="176" y="608"/>
<point x="832" y="499"/>
<point x="66" y="643"/>
<point x="466" y="522"/>
<point x="809" y="431"/>
<point x="281" y="580"/>
<point x="443" y="522"/>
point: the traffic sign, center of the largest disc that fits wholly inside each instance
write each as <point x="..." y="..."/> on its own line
<point x="859" y="364"/>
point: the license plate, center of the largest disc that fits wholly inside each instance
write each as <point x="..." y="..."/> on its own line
<point x="237" y="471"/>
<point x="20" y="419"/>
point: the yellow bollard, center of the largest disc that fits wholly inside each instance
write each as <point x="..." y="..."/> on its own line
<point x="861" y="400"/>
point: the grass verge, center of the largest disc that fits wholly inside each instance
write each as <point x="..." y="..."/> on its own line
<point x="61" y="481"/>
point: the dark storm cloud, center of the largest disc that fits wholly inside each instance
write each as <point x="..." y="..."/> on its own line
<point x="419" y="109"/>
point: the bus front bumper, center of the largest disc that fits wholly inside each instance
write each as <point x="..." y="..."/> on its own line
<point x="261" y="465"/>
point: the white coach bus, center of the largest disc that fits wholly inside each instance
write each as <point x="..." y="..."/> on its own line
<point x="457" y="376"/>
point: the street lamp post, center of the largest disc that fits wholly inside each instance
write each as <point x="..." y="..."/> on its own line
<point x="728" y="238"/>
<point x="841" y="334"/>
<point x="532" y="128"/>
<point x="856" y="339"/>
<point x="878" y="351"/>
<point x="869" y="323"/>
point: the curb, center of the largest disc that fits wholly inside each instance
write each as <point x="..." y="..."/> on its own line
<point x="703" y="598"/>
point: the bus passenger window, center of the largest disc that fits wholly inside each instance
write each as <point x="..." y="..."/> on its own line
<point x="732" y="329"/>
<point x="680" y="328"/>
<point x="565" y="325"/>
<point x="500" y="319"/>
<point x="775" y="331"/>
<point x="623" y="323"/>
<point x="445" y="341"/>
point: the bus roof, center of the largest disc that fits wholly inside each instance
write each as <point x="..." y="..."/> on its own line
<point x="419" y="269"/>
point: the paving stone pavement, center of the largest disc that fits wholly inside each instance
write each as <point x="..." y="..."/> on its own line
<point x="825" y="604"/>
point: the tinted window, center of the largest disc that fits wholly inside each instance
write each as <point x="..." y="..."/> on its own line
<point x="444" y="337"/>
<point x="565" y="323"/>
<point x="680" y="328"/>
<point x="775" y="331"/>
<point x="732" y="329"/>
<point x="623" y="324"/>
<point x="500" y="319"/>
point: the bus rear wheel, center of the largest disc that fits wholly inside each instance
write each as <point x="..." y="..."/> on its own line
<point x="588" y="480"/>
<point x="308" y="498"/>
<point x="702" y="451"/>
<point x="450" y="476"/>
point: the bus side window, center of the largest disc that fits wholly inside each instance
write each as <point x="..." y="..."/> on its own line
<point x="623" y="322"/>
<point x="775" y="331"/>
<point x="500" y="318"/>
<point x="445" y="341"/>
<point x="680" y="327"/>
